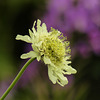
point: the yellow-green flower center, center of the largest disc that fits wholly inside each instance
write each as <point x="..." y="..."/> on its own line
<point x="54" y="48"/>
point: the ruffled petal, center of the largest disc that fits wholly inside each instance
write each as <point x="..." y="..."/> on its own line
<point x="38" y="58"/>
<point x="39" y="28"/>
<point x="30" y="54"/>
<point x="31" y="34"/>
<point x="51" y="75"/>
<point x="70" y="69"/>
<point x="46" y="60"/>
<point x="62" y="80"/>
<point x="33" y="28"/>
<point x="44" y="28"/>
<point x="25" y="38"/>
<point x="56" y="76"/>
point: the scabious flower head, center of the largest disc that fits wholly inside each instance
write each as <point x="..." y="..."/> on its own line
<point x="52" y="48"/>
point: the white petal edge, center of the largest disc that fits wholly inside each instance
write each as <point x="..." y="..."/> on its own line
<point x="31" y="34"/>
<point x="44" y="28"/>
<point x="51" y="75"/>
<point x="71" y="70"/>
<point x="46" y="60"/>
<point x="25" y="38"/>
<point x="34" y="31"/>
<point x="39" y="28"/>
<point x="30" y="54"/>
<point x="62" y="80"/>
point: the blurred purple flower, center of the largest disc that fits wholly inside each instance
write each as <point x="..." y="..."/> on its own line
<point x="79" y="19"/>
<point x="75" y="15"/>
<point x="94" y="39"/>
<point x="56" y="14"/>
<point x="90" y="5"/>
<point x="95" y="17"/>
<point x="83" y="49"/>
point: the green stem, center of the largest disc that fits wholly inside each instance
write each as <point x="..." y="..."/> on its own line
<point x="16" y="78"/>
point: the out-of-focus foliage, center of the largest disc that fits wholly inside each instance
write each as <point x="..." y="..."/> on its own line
<point x="15" y="17"/>
<point x="79" y="20"/>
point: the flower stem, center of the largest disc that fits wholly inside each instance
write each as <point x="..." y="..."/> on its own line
<point x="17" y="78"/>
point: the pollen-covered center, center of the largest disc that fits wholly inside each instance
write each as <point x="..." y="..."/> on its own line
<point x="54" y="48"/>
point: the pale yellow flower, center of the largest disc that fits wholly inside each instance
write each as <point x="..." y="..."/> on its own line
<point x="52" y="48"/>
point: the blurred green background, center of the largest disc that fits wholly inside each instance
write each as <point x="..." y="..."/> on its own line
<point x="79" y="21"/>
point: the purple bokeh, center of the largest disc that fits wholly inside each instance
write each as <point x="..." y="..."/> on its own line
<point x="83" y="16"/>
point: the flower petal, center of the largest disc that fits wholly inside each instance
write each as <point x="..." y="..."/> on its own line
<point x="51" y="75"/>
<point x="71" y="70"/>
<point x="30" y="54"/>
<point x="39" y="44"/>
<point x="68" y="70"/>
<point x="34" y="31"/>
<point x="46" y="60"/>
<point x="62" y="80"/>
<point x="25" y="38"/>
<point x="38" y="58"/>
<point x="39" y="28"/>
<point x="31" y="34"/>
<point x="44" y="28"/>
